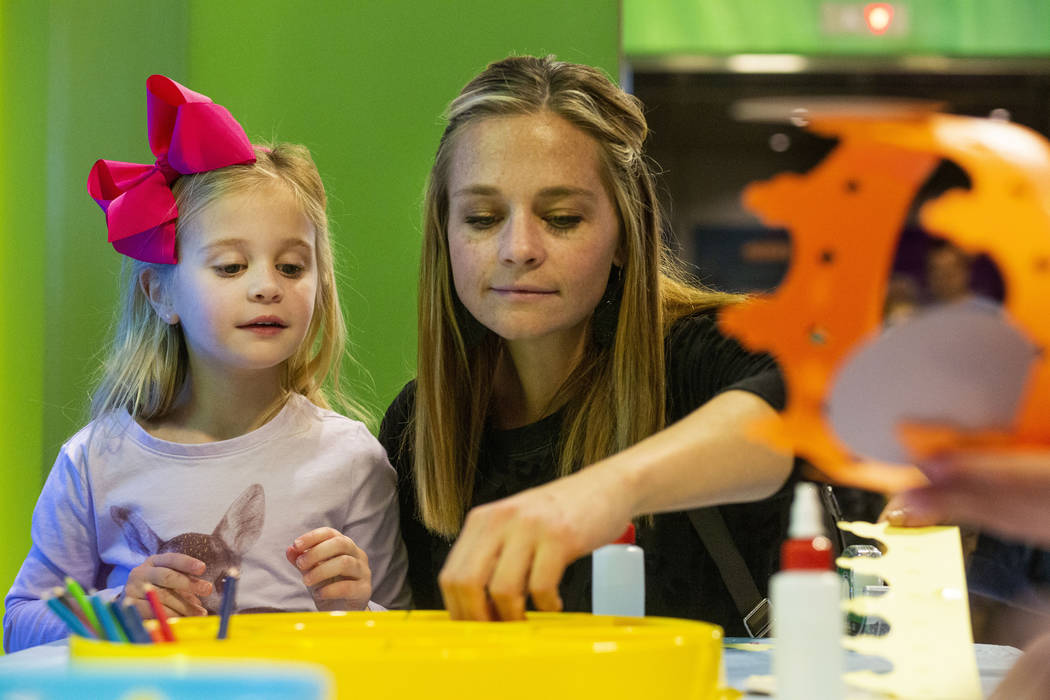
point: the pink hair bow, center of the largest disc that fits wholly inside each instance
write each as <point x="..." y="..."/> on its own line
<point x="188" y="133"/>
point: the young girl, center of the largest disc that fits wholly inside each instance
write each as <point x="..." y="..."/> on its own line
<point x="212" y="445"/>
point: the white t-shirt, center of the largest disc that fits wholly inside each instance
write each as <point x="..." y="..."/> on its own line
<point x="116" y="494"/>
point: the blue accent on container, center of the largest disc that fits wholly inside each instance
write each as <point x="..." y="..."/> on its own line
<point x="235" y="680"/>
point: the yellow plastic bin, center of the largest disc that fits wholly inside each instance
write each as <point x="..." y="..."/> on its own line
<point x="425" y="654"/>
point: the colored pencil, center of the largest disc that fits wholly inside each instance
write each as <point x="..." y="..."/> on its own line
<point x="158" y="612"/>
<point x="67" y="599"/>
<point x="137" y="631"/>
<point x="66" y="615"/>
<point x="113" y="608"/>
<point x="81" y="598"/>
<point x="229" y="597"/>
<point x="109" y="623"/>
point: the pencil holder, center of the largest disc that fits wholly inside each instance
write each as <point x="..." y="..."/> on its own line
<point x="401" y="654"/>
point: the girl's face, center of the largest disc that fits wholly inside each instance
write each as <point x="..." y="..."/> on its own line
<point x="246" y="281"/>
<point x="532" y="231"/>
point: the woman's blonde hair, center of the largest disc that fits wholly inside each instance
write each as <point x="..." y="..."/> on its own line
<point x="615" y="395"/>
<point x="147" y="366"/>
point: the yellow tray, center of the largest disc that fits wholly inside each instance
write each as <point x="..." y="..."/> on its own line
<point x="425" y="654"/>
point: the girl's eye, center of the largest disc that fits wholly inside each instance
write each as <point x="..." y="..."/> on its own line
<point x="290" y="269"/>
<point x="563" y="222"/>
<point x="481" y="221"/>
<point x="229" y="270"/>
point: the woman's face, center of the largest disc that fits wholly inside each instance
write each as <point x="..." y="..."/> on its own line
<point x="532" y="231"/>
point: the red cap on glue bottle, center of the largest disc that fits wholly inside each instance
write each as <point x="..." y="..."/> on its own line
<point x="806" y="546"/>
<point x="627" y="537"/>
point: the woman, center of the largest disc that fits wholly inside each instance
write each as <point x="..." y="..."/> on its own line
<point x="556" y="332"/>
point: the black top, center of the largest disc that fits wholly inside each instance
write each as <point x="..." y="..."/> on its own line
<point x="681" y="578"/>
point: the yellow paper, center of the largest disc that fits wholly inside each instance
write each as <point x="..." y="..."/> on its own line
<point x="930" y="642"/>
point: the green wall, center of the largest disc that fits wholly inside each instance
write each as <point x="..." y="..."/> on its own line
<point x="965" y="28"/>
<point x="23" y="44"/>
<point x="361" y="83"/>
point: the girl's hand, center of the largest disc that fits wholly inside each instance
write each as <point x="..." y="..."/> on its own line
<point x="521" y="545"/>
<point x="333" y="567"/>
<point x="176" y="579"/>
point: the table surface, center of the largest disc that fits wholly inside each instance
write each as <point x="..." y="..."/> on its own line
<point x="992" y="661"/>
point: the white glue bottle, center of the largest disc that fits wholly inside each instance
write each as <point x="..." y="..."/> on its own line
<point x="808" y="657"/>
<point x="618" y="578"/>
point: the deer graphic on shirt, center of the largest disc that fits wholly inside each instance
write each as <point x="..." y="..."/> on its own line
<point x="220" y="551"/>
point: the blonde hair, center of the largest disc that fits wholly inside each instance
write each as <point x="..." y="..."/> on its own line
<point x="147" y="365"/>
<point x="615" y="395"/>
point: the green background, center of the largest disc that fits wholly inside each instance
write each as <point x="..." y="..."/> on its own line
<point x="964" y="28"/>
<point x="363" y="84"/>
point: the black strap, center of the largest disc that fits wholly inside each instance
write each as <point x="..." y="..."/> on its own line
<point x="753" y="607"/>
<point x="832" y="516"/>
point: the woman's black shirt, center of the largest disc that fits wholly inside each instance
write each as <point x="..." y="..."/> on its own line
<point x="681" y="578"/>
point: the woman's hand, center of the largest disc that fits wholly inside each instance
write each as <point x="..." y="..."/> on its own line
<point x="333" y="567"/>
<point x="521" y="545"/>
<point x="175" y="578"/>
<point x="1004" y="491"/>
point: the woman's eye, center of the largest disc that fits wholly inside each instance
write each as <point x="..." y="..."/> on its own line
<point x="290" y="269"/>
<point x="563" y="221"/>
<point x="229" y="270"/>
<point x="481" y="221"/>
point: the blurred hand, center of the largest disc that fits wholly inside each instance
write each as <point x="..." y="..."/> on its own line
<point x="1004" y="491"/>
<point x="333" y="567"/>
<point x="175" y="578"/>
<point x="1029" y="678"/>
<point x="521" y="545"/>
<point x="1007" y="492"/>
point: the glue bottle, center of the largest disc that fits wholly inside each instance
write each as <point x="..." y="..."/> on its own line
<point x="618" y="578"/>
<point x="808" y="657"/>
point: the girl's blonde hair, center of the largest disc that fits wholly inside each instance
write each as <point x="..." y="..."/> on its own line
<point x="147" y="366"/>
<point x="615" y="396"/>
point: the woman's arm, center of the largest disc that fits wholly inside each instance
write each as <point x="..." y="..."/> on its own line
<point x="706" y="458"/>
<point x="521" y="545"/>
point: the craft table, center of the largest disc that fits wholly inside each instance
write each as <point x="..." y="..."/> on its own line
<point x="743" y="658"/>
